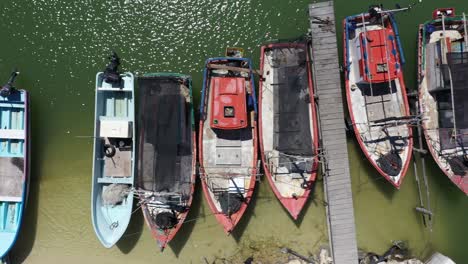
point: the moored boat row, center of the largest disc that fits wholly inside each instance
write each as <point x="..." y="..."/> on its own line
<point x="165" y="164"/>
<point x="152" y="157"/>
<point x="284" y="125"/>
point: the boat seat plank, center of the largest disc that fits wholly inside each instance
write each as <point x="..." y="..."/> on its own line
<point x="12" y="133"/>
<point x="115" y="180"/>
<point x="106" y="89"/>
<point x="114" y="118"/>
<point x="12" y="105"/>
<point x="11" y="199"/>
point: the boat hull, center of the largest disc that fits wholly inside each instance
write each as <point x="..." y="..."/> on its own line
<point x="14" y="166"/>
<point x="228" y="157"/>
<point x="113" y="175"/>
<point x="168" y="130"/>
<point x="391" y="159"/>
<point x="437" y="131"/>
<point x="291" y="189"/>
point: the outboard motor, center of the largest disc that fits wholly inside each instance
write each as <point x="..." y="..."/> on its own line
<point x="8" y="87"/>
<point x="375" y="13"/>
<point x="111" y="73"/>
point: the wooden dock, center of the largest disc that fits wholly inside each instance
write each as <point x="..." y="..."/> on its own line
<point x="337" y="180"/>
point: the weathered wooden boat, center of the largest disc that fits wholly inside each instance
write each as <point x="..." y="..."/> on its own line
<point x="228" y="138"/>
<point x="114" y="154"/>
<point x="376" y="92"/>
<point x="443" y="92"/>
<point x="14" y="162"/>
<point x="288" y="123"/>
<point x="167" y="152"/>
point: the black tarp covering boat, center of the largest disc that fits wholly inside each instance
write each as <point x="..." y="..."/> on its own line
<point x="167" y="151"/>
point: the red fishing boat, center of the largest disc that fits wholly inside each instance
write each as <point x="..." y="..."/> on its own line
<point x="288" y="123"/>
<point x="167" y="153"/>
<point x="376" y="92"/>
<point x="443" y="92"/>
<point x="228" y="138"/>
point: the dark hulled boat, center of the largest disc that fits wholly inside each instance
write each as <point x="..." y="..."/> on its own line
<point x="167" y="152"/>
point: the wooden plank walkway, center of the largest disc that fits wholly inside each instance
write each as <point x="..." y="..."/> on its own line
<point x="337" y="180"/>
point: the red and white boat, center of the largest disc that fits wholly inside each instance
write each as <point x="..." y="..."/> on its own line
<point x="376" y="92"/>
<point x="228" y="138"/>
<point x="443" y="92"/>
<point x="288" y="123"/>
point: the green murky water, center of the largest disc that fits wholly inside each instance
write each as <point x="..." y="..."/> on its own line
<point x="60" y="45"/>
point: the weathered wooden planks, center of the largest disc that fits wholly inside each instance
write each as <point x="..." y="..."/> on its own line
<point x="337" y="181"/>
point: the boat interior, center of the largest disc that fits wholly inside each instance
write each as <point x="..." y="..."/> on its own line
<point x="12" y="164"/>
<point x="287" y="121"/>
<point x="114" y="108"/>
<point x="114" y="155"/>
<point x="229" y="161"/>
<point x="166" y="156"/>
<point x="376" y="92"/>
<point x="446" y="81"/>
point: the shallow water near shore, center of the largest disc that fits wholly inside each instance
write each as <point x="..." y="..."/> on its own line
<point x="59" y="46"/>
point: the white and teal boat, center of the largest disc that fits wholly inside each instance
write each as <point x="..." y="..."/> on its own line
<point x="114" y="156"/>
<point x="14" y="162"/>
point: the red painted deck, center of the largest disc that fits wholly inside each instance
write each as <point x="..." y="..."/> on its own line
<point x="228" y="103"/>
<point x="381" y="67"/>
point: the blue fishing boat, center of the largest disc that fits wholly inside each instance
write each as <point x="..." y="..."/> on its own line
<point x="114" y="153"/>
<point x="14" y="162"/>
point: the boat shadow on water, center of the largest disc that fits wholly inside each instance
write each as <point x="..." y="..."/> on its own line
<point x="27" y="235"/>
<point x="369" y="175"/>
<point x="249" y="212"/>
<point x="133" y="233"/>
<point x="183" y="235"/>
<point x="313" y="199"/>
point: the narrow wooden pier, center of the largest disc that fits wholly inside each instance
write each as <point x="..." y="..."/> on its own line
<point x="337" y="180"/>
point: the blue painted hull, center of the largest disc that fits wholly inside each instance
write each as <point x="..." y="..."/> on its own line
<point x="14" y="166"/>
<point x="114" y="104"/>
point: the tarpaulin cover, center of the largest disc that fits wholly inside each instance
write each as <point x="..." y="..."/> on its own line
<point x="165" y="154"/>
